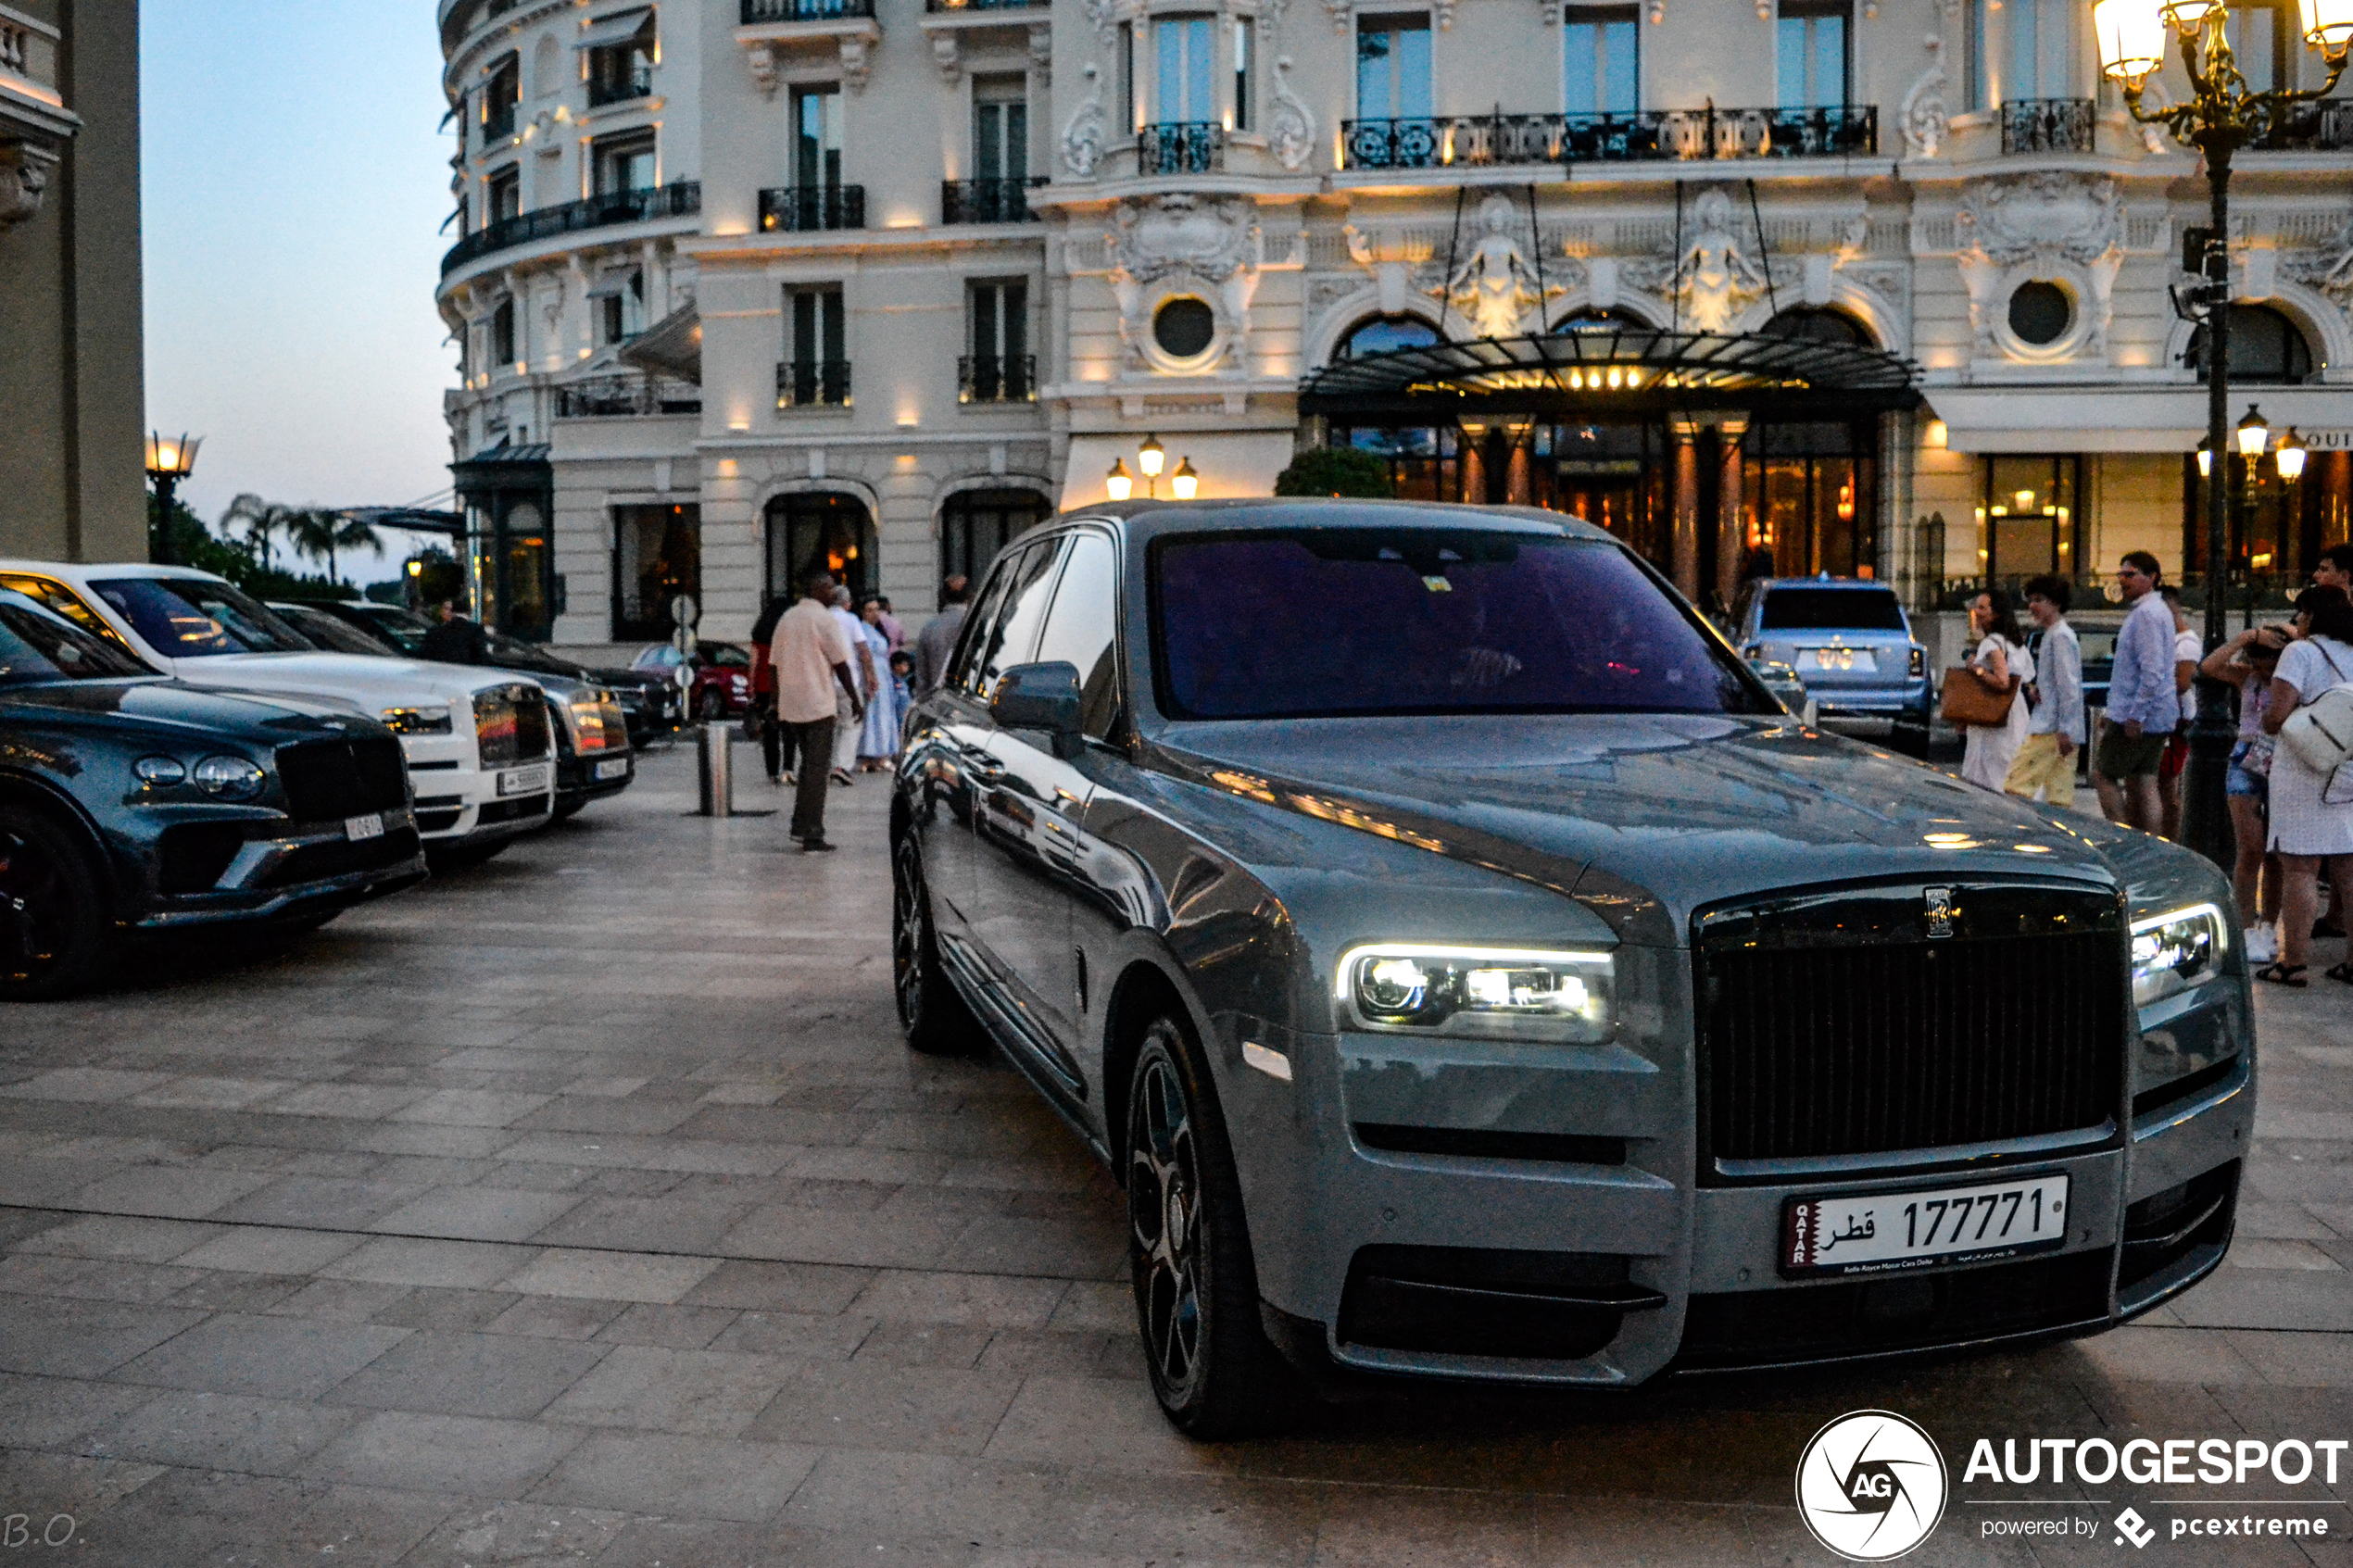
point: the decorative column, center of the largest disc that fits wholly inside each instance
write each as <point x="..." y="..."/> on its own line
<point x="1686" y="550"/>
<point x="1470" y="453"/>
<point x="1731" y="543"/>
<point x="1515" y="474"/>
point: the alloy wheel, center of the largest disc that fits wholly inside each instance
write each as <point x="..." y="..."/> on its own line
<point x="33" y="920"/>
<point x="1164" y="1222"/>
<point x="910" y="909"/>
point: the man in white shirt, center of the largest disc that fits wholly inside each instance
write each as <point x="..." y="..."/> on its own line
<point x="815" y="689"/>
<point x="2046" y="760"/>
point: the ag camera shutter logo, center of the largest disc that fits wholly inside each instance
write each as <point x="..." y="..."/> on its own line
<point x="1872" y="1486"/>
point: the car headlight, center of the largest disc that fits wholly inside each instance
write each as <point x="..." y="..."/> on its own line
<point x="231" y="778"/>
<point x="1479" y="993"/>
<point x="160" y="773"/>
<point x="1919" y="661"/>
<point x="2176" y="950"/>
<point x="417" y="720"/>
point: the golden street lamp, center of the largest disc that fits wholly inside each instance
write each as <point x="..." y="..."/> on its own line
<point x="1150" y="456"/>
<point x="1119" y="483"/>
<point x="2224" y="113"/>
<point x="2289" y="455"/>
<point x="168" y="462"/>
<point x="1184" y="482"/>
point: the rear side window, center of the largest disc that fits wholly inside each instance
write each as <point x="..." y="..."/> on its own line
<point x="59" y="599"/>
<point x="1010" y="633"/>
<point x="1831" y="610"/>
<point x="190" y="618"/>
<point x="36" y="646"/>
<point x="1083" y="626"/>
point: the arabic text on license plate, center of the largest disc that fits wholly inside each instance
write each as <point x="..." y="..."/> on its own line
<point x="613" y="768"/>
<point x="370" y="826"/>
<point x="1842" y="661"/>
<point x="523" y="780"/>
<point x="1884" y="1232"/>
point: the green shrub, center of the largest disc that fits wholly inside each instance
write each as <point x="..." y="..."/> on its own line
<point x="1336" y="471"/>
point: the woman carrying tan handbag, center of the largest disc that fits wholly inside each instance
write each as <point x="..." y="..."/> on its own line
<point x="1987" y="701"/>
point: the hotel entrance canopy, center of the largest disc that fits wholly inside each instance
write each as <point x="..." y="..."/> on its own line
<point x="1609" y="372"/>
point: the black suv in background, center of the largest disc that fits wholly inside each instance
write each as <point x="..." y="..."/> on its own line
<point x="649" y="705"/>
<point x="133" y="803"/>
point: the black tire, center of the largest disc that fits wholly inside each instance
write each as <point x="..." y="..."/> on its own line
<point x="55" y="934"/>
<point x="566" y="811"/>
<point x="1188" y="1251"/>
<point x="931" y="1014"/>
<point x="459" y="856"/>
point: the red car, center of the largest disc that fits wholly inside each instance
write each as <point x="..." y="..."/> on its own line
<point x="721" y="686"/>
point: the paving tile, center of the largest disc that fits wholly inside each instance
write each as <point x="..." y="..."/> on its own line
<point x="898" y="1495"/>
<point x="36" y="1183"/>
<point x="818" y="1236"/>
<point x="327" y="1203"/>
<point x="359" y="1101"/>
<point x="476" y="1213"/>
<point x="50" y="1413"/>
<point x="281" y="1358"/>
<point x="1094" y="1248"/>
<point x="1098" y="1423"/>
<point x="436" y="1306"/>
<point x="800" y="1336"/>
<point x="265" y="1250"/>
<point x="676" y="1543"/>
<point x="791" y="1288"/>
<point x="223" y="1292"/>
<point x="339" y="1300"/>
<point x="856" y="1404"/>
<point x="2250" y="1253"/>
<point x="990" y="1300"/>
<point x="470" y="1107"/>
<point x="520" y="1532"/>
<point x="706" y="1477"/>
<point x="408" y="1260"/>
<point x="925" y="1344"/>
<point x="170" y="1191"/>
<point x="642" y="1225"/>
<point x="679" y="1328"/>
<point x="112" y="1236"/>
<point x="556" y="1317"/>
<point x="610" y="1276"/>
<point x="99" y="1279"/>
<point x="450" y="1454"/>
<point x="713" y="1393"/>
<point x="68" y="1338"/>
<point x="217" y="1431"/>
<point x="1107" y="1305"/>
<point x="486" y="1374"/>
<point x="96" y="1083"/>
<point x="211" y="1093"/>
<point x="604" y="1113"/>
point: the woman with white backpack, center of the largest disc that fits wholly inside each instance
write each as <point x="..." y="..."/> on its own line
<point x="2309" y="708"/>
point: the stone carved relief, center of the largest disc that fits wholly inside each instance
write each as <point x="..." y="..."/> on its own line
<point x="1290" y="128"/>
<point x="25" y="168"/>
<point x="1716" y="275"/>
<point x="1925" y="113"/>
<point x="1083" y="133"/>
<point x="2063" y="227"/>
<point x="1496" y="288"/>
<point x="1159" y="246"/>
<point x="2327" y="267"/>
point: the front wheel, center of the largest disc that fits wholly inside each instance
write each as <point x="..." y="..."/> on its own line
<point x="932" y="1015"/>
<point x="54" y="933"/>
<point x="1188" y="1249"/>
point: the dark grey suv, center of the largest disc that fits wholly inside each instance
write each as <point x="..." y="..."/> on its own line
<point x="1470" y="972"/>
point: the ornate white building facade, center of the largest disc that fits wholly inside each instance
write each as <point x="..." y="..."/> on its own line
<point x="746" y="284"/>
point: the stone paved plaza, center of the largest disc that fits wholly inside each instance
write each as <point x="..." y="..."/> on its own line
<point x="585" y="1208"/>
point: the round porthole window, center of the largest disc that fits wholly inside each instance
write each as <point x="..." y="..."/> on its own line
<point x="1184" y="327"/>
<point x="2041" y="313"/>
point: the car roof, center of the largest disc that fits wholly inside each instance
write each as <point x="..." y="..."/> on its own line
<point x="1770" y="584"/>
<point x="82" y="571"/>
<point x="1148" y="519"/>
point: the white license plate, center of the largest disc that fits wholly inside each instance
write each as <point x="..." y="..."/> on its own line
<point x="1838" y="661"/>
<point x="1884" y="1232"/>
<point x="523" y="780"/>
<point x="613" y="768"/>
<point x="370" y="826"/>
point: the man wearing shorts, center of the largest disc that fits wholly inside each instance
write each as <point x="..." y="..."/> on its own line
<point x="2143" y="706"/>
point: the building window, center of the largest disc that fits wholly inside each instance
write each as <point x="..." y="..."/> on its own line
<point x="2259" y="37"/>
<point x="2028" y="519"/>
<point x="816" y="370"/>
<point x="502" y="196"/>
<point x="1813" y="324"/>
<point x="1977" y="63"/>
<point x="656" y="555"/>
<point x="625" y="163"/>
<point x="1384" y="334"/>
<point x="501" y="91"/>
<point x="998" y="368"/>
<point x="2266" y="348"/>
<point x="2042" y="49"/>
<point x="502" y="334"/>
<point x="1125" y="65"/>
<point x="1810" y="38"/>
<point x="976" y="526"/>
<point x="621" y="67"/>
<point x="1185" y="49"/>
<point x="825" y="532"/>
<point x="1812" y="500"/>
<point x="1602" y="51"/>
<point x="816" y="137"/>
<point x="1241" y="73"/>
<point x="1000" y="128"/>
<point x="622" y="307"/>
<point x="1392" y="67"/>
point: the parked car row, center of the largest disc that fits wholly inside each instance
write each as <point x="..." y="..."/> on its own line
<point x="175" y="754"/>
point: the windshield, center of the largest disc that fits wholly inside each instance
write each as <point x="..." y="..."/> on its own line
<point x="329" y="633"/>
<point x="403" y="629"/>
<point x="516" y="654"/>
<point x="192" y="617"/>
<point x="1831" y="610"/>
<point x="1325" y="622"/>
<point x="36" y="646"/>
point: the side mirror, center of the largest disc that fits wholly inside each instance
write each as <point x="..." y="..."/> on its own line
<point x="1038" y="696"/>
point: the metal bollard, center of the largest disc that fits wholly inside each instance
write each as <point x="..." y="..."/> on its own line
<point x="717" y="771"/>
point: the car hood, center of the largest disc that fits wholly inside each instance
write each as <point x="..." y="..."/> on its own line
<point x="173" y="705"/>
<point x="363" y="680"/>
<point x="1651" y="815"/>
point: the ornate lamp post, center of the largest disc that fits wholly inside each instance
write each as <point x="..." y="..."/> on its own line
<point x="168" y="462"/>
<point x="2224" y="113"/>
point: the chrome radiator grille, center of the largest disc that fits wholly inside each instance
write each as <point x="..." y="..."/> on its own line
<point x="1837" y="1025"/>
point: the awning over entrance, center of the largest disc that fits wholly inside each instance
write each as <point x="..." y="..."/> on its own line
<point x="1617" y="372"/>
<point x="2126" y="419"/>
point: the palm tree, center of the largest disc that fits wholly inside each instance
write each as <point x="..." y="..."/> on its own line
<point x="321" y="534"/>
<point x="353" y="533"/>
<point x="259" y="520"/>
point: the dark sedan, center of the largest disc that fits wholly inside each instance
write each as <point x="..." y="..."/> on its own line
<point x="1472" y="972"/>
<point x="130" y="802"/>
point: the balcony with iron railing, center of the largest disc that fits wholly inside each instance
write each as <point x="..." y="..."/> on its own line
<point x="1181" y="146"/>
<point x="682" y="199"/>
<point x="987" y="201"/>
<point x="805" y="209"/>
<point x="812" y="383"/>
<point x="2048" y="125"/>
<point x="756" y="13"/>
<point x="996" y="378"/>
<point x="2323" y="127"/>
<point x="605" y="398"/>
<point x="1480" y="141"/>
<point x="619" y="87"/>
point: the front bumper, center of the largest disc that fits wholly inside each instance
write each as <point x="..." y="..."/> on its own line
<point x="458" y="800"/>
<point x="578" y="781"/>
<point x="1908" y="701"/>
<point x="284" y="869"/>
<point x="1393" y="1240"/>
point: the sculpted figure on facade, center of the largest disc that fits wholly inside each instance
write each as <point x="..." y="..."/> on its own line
<point x="1214" y="241"/>
<point x="1291" y="130"/>
<point x="1714" y="276"/>
<point x="1925" y="114"/>
<point x="2327" y="267"/>
<point x="25" y="167"/>
<point x="2062" y="228"/>
<point x="1496" y="288"/>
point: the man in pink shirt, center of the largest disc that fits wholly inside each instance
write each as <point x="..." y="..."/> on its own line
<point x="811" y="660"/>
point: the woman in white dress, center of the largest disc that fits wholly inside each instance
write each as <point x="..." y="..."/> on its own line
<point x="2002" y="659"/>
<point x="878" y="740"/>
<point x="2311" y="812"/>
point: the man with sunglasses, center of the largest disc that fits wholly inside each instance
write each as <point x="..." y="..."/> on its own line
<point x="2143" y="704"/>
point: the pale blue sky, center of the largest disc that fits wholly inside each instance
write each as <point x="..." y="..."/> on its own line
<point x="294" y="184"/>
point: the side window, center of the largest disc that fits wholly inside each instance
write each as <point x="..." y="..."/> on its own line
<point x="1083" y="629"/>
<point x="1015" y="632"/>
<point x="56" y="596"/>
<point x="980" y="625"/>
